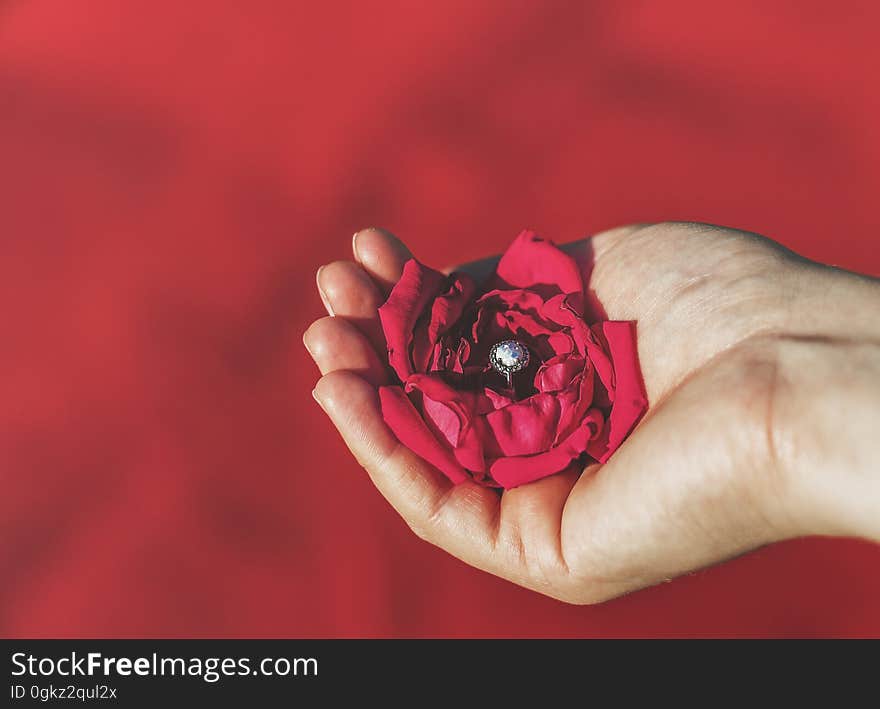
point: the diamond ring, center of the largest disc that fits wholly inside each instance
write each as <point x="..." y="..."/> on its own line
<point x="508" y="357"/>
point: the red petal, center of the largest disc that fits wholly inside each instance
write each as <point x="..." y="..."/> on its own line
<point x="557" y="373"/>
<point x="445" y="312"/>
<point x="531" y="262"/>
<point x="629" y="401"/>
<point x="452" y="416"/>
<point x="411" y="295"/>
<point x="512" y="472"/>
<point x="449" y="410"/>
<point x="524" y="428"/>
<point x="403" y="419"/>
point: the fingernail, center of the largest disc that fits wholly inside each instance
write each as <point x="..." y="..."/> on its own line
<point x="306" y="344"/>
<point x="354" y="239"/>
<point x="322" y="293"/>
<point x="316" y="398"/>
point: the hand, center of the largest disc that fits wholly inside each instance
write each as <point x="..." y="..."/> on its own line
<point x="763" y="374"/>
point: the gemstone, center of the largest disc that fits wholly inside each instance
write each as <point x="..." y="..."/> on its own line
<point x="509" y="356"/>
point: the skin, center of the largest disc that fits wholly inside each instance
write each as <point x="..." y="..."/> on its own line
<point x="763" y="375"/>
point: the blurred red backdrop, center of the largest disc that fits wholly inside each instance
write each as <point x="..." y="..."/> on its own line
<point x="171" y="176"/>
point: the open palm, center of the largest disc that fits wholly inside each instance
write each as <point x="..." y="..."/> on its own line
<point x="703" y="477"/>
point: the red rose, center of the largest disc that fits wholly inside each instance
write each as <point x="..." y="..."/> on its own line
<point x="580" y="395"/>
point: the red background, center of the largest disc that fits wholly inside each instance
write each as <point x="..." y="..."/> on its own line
<point x="171" y="176"/>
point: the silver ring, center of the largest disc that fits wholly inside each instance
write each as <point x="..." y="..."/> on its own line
<point x="508" y="357"/>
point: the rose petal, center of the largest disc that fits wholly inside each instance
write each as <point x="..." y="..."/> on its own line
<point x="460" y="356"/>
<point x="417" y="287"/>
<point x="514" y="471"/>
<point x="470" y="447"/>
<point x="445" y="313"/>
<point x="516" y="314"/>
<point x="532" y="262"/>
<point x="496" y="399"/>
<point x="508" y="298"/>
<point x="443" y="420"/>
<point x="403" y="419"/>
<point x="557" y="373"/>
<point x="489" y="325"/>
<point x="523" y="428"/>
<point x="559" y="309"/>
<point x="600" y="359"/>
<point x="449" y="410"/>
<point x="629" y="401"/>
<point x="452" y="415"/>
<point x="520" y="324"/>
<point x="571" y="416"/>
<point x="495" y="309"/>
<point x="561" y="343"/>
